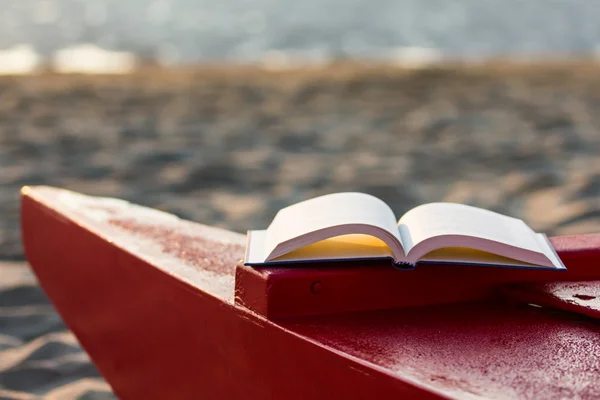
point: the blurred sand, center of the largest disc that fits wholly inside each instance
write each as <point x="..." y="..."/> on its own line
<point x="230" y="146"/>
<point x="39" y="357"/>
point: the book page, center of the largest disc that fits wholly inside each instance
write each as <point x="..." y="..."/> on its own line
<point x="330" y="216"/>
<point x="436" y="225"/>
<point x="351" y="246"/>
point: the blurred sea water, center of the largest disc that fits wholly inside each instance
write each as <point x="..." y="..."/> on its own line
<point x="185" y="31"/>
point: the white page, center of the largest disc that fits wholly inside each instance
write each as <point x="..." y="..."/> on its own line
<point x="549" y="251"/>
<point x="329" y="216"/>
<point x="465" y="224"/>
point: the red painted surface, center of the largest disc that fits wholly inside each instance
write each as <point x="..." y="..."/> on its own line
<point x="577" y="297"/>
<point x="278" y="292"/>
<point x="491" y="350"/>
<point x="154" y="336"/>
<point x="161" y="328"/>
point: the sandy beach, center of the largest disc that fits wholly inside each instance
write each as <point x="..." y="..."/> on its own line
<point x="229" y="146"/>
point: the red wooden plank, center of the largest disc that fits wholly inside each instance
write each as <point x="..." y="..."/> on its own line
<point x="155" y="335"/>
<point x="151" y="300"/>
<point x="577" y="297"/>
<point x="473" y="350"/>
<point x="277" y="292"/>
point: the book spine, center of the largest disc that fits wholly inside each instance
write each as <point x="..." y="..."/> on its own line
<point x="403" y="265"/>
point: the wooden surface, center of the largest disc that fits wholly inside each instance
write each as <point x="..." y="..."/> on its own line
<point x="577" y="297"/>
<point x="150" y="297"/>
<point x="284" y="292"/>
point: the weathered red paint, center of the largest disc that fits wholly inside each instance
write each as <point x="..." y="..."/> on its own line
<point x="159" y="320"/>
<point x="578" y="297"/>
<point x="277" y="292"/>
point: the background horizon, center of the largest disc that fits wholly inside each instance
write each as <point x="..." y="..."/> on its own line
<point x="185" y="31"/>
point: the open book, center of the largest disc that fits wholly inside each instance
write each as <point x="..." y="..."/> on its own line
<point x="358" y="226"/>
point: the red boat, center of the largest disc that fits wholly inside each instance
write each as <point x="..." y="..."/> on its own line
<point x="166" y="311"/>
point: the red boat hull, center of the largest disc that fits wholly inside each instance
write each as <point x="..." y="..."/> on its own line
<point x="158" y="318"/>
